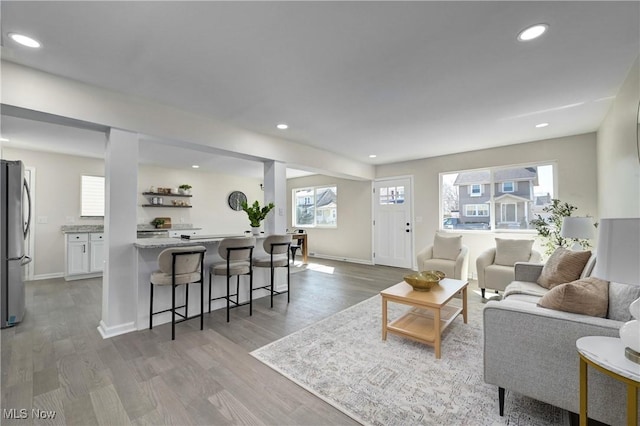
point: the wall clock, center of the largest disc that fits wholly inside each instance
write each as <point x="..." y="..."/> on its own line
<point x="235" y="200"/>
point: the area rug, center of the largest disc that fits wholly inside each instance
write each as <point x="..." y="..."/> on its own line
<point x="344" y="361"/>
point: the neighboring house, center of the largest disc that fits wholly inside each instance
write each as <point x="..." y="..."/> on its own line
<point x="512" y="195"/>
<point x="326" y="208"/>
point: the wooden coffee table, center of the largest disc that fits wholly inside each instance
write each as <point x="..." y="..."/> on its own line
<point x="430" y="314"/>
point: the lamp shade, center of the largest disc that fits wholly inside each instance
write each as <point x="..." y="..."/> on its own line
<point x="619" y="251"/>
<point x="577" y="227"/>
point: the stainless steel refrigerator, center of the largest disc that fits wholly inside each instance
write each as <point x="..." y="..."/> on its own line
<point x="15" y="217"/>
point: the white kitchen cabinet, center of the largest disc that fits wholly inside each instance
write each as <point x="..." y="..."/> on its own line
<point x="84" y="255"/>
<point x="96" y="252"/>
<point x="77" y="254"/>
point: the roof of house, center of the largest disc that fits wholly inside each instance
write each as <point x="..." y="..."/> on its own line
<point x="327" y="197"/>
<point x="502" y="175"/>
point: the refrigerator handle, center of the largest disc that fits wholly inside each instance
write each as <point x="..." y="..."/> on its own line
<point x="28" y="224"/>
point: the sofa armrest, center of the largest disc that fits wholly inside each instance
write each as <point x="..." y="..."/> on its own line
<point x="532" y="351"/>
<point x="525" y="271"/>
<point x="485" y="259"/>
<point x="462" y="263"/>
<point x="424" y="254"/>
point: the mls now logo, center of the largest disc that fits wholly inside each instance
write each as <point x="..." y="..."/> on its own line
<point x="23" y="413"/>
<point x="14" y="413"/>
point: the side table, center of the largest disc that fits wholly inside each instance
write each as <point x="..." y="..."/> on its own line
<point x="606" y="354"/>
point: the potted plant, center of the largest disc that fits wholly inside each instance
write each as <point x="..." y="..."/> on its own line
<point x="185" y="188"/>
<point x="158" y="223"/>
<point x="549" y="228"/>
<point x="256" y="214"/>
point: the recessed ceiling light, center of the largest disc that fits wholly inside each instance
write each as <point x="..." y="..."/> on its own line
<point x="195" y="166"/>
<point x="4" y="140"/>
<point x="372" y="156"/>
<point x="24" y="40"/>
<point x="282" y="126"/>
<point x="542" y="125"/>
<point x="532" y="32"/>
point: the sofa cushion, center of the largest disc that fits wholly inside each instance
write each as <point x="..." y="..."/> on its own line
<point x="587" y="296"/>
<point x="444" y="265"/>
<point x="524" y="287"/>
<point x="508" y="252"/>
<point x="563" y="266"/>
<point x="498" y="277"/>
<point x="620" y="297"/>
<point x="447" y="247"/>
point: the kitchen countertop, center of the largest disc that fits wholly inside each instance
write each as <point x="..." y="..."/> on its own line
<point x="149" y="243"/>
<point x="74" y="229"/>
<point x="71" y="229"/>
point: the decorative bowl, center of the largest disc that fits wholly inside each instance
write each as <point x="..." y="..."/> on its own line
<point x="424" y="280"/>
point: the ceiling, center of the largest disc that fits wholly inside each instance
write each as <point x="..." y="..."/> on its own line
<point x="401" y="80"/>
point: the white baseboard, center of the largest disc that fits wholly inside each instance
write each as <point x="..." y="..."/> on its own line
<point x="106" y="332"/>
<point x="47" y="276"/>
<point x="342" y="259"/>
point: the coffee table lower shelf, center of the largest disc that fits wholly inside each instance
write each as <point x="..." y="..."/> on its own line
<point x="418" y="324"/>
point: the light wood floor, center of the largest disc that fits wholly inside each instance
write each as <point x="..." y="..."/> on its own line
<point x="56" y="361"/>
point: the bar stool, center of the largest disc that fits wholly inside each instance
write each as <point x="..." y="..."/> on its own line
<point x="277" y="246"/>
<point x="178" y="266"/>
<point x="237" y="253"/>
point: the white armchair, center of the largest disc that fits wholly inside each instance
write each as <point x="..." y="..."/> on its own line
<point x="451" y="257"/>
<point x="495" y="266"/>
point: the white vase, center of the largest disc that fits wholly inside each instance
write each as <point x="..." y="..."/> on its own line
<point x="255" y="230"/>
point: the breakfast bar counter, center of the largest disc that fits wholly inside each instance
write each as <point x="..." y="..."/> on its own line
<point x="148" y="250"/>
<point x="154" y="243"/>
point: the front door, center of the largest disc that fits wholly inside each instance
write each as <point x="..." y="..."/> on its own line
<point x="392" y="223"/>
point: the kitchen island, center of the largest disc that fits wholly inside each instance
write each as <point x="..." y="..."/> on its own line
<point x="148" y="250"/>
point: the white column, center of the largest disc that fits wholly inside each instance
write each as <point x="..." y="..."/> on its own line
<point x="275" y="191"/>
<point x="120" y="279"/>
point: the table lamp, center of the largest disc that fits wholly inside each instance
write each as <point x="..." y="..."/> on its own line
<point x="577" y="228"/>
<point x="619" y="261"/>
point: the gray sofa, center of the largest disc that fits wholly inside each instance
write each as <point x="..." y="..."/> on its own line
<point x="531" y="350"/>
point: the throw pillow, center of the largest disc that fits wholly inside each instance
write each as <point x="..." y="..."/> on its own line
<point x="447" y="247"/>
<point x="620" y="297"/>
<point x="562" y="267"/>
<point x="588" y="296"/>
<point x="508" y="252"/>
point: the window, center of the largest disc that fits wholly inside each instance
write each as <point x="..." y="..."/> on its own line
<point x="499" y="198"/>
<point x="391" y="195"/>
<point x="476" y="210"/>
<point x="475" y="190"/>
<point x="508" y="186"/>
<point x="92" y="196"/>
<point x="317" y="206"/>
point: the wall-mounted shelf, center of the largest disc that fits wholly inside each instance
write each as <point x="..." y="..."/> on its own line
<point x="166" y="195"/>
<point x="171" y="206"/>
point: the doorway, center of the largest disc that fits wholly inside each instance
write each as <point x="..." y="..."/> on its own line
<point x="392" y="224"/>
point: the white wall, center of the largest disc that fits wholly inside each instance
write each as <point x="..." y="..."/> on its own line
<point x="57" y="198"/>
<point x="351" y="240"/>
<point x="576" y="171"/>
<point x="210" y="210"/>
<point x="618" y="158"/>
